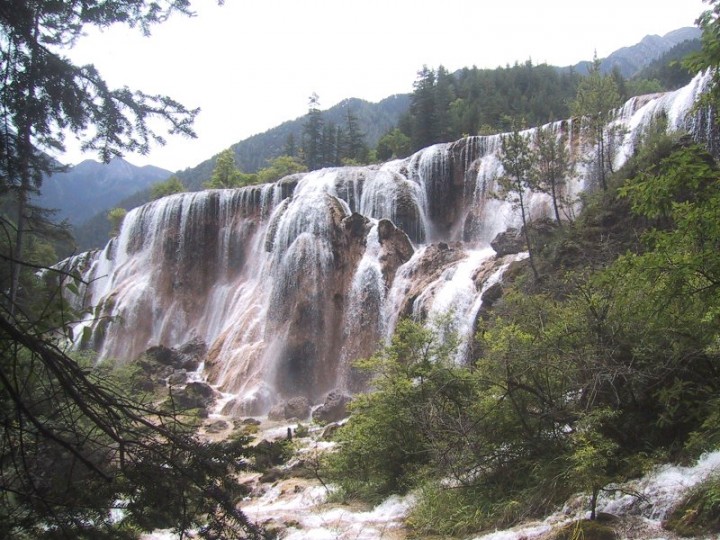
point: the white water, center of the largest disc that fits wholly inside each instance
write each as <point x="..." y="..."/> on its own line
<point x="286" y="294"/>
<point x="659" y="491"/>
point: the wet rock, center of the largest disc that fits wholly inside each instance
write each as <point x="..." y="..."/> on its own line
<point x="509" y="242"/>
<point x="333" y="409"/>
<point x="396" y="249"/>
<point x="218" y="426"/>
<point x="190" y="355"/>
<point x="277" y="412"/>
<point x="492" y="295"/>
<point x="178" y="377"/>
<point x="434" y="261"/>
<point x="298" y="407"/>
<point x="160" y="354"/>
<point x="273" y="475"/>
<point x="194" y="395"/>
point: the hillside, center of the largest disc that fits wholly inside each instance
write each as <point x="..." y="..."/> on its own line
<point x="631" y="60"/>
<point x="252" y="153"/>
<point x="92" y="187"/>
<point x="547" y="92"/>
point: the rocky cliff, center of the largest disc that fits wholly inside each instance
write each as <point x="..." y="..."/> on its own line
<point x="288" y="283"/>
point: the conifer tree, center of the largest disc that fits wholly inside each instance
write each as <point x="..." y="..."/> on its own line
<point x="73" y="442"/>
<point x="43" y="96"/>
<point x="597" y="96"/>
<point x="354" y="139"/>
<point x="423" y="111"/>
<point x="313" y="134"/>
<point x="517" y="160"/>
<point x="550" y="168"/>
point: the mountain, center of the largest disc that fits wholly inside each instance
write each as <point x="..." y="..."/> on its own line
<point x="630" y="60"/>
<point x="253" y="153"/>
<point x="91" y="187"/>
<point x="375" y="119"/>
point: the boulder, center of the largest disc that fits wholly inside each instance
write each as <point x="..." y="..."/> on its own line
<point x="218" y="426"/>
<point x="297" y="407"/>
<point x="194" y="395"/>
<point x="188" y="356"/>
<point x="509" y="242"/>
<point x="333" y="409"/>
<point x="396" y="248"/>
<point x="492" y="294"/>
<point x="178" y="377"/>
<point x="277" y="412"/>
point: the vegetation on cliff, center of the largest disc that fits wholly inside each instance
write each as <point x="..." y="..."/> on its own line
<point x="604" y="364"/>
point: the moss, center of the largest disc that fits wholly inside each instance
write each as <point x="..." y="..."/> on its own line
<point x="584" y="529"/>
<point x="699" y="512"/>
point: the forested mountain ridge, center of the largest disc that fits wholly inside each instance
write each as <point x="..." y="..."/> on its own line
<point x="253" y="153"/>
<point x="442" y="107"/>
<point x="629" y="61"/>
<point x="91" y="187"/>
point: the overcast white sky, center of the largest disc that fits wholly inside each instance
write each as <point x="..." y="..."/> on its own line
<point x="252" y="64"/>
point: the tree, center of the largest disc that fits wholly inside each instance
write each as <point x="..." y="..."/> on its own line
<point x="312" y="143"/>
<point x="709" y="55"/>
<point x="278" y="168"/>
<point x="116" y="216"/>
<point x="169" y="187"/>
<point x="597" y="97"/>
<point x="550" y="167"/>
<point x="73" y="443"/>
<point x="44" y="96"/>
<point x="393" y="145"/>
<point x="226" y="175"/>
<point x="444" y="97"/>
<point x="517" y="161"/>
<point x="354" y="147"/>
<point x="290" y="146"/>
<point x="330" y="145"/>
<point x="423" y="110"/>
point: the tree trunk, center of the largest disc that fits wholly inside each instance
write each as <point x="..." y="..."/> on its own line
<point x="555" y="203"/>
<point x="526" y="231"/>
<point x="19" y="248"/>
<point x="593" y="503"/>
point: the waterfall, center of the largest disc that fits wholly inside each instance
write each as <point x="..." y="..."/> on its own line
<point x="288" y="283"/>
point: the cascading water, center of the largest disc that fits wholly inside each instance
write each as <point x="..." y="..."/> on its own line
<point x="288" y="283"/>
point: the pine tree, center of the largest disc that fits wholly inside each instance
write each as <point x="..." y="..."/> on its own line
<point x="550" y="168"/>
<point x="517" y="161"/>
<point x="423" y="113"/>
<point x="355" y="147"/>
<point x="313" y="134"/>
<point x="597" y="96"/>
<point x="44" y="95"/>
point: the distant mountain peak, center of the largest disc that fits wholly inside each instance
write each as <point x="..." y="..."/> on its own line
<point x="630" y="60"/>
<point x="91" y="187"/>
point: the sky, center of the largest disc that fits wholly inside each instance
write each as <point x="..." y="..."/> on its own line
<point x="252" y="64"/>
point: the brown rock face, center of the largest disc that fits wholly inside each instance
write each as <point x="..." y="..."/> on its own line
<point x="396" y="249"/>
<point x="509" y="242"/>
<point x="435" y="259"/>
<point x="333" y="409"/>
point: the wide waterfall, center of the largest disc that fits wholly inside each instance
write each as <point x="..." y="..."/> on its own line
<point x="288" y="283"/>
